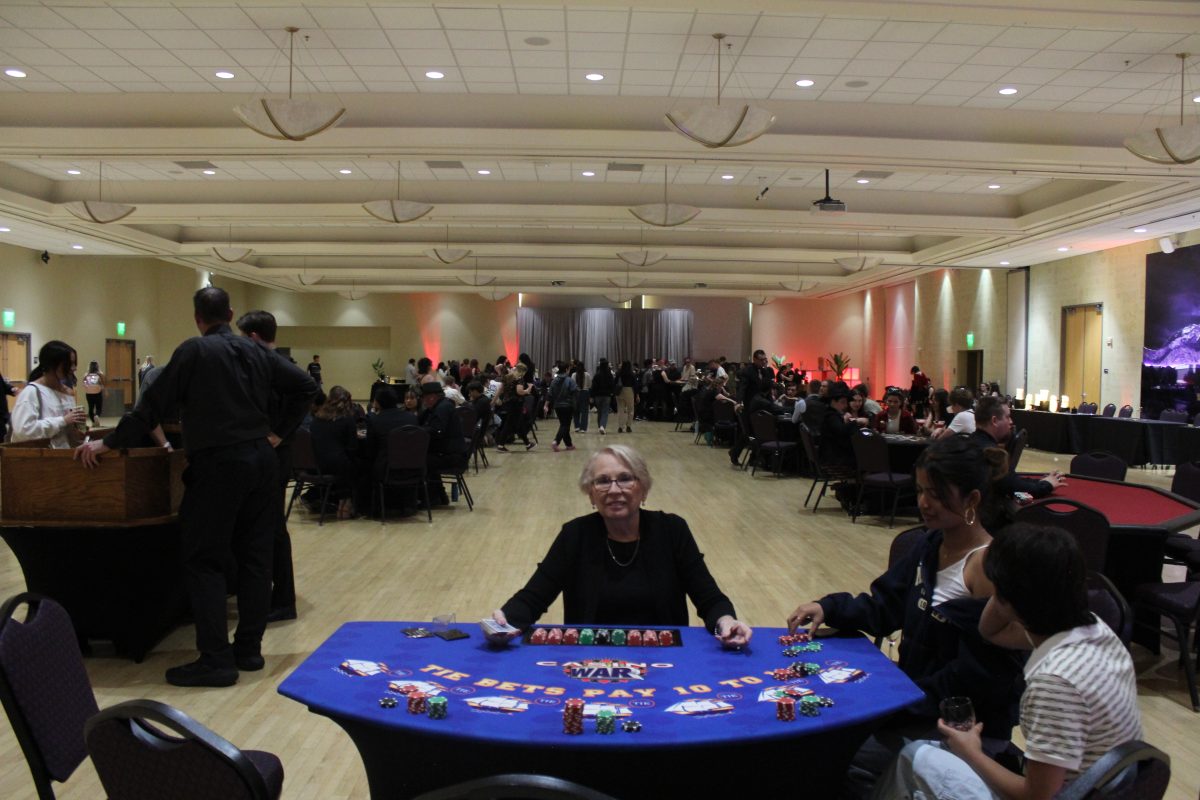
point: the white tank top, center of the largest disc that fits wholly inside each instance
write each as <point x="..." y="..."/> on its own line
<point x="950" y="584"/>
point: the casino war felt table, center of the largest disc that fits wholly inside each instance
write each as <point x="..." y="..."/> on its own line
<point x="707" y="715"/>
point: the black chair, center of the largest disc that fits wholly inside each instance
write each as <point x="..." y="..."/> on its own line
<point x="1149" y="783"/>
<point x="1099" y="464"/>
<point x="875" y="472"/>
<point x="306" y="472"/>
<point x="1087" y="408"/>
<point x="1180" y="548"/>
<point x="1110" y="410"/>
<point x="903" y="544"/>
<point x="137" y="760"/>
<point x="724" y="420"/>
<point x="1126" y="412"/>
<point x="1107" y="603"/>
<point x="1089" y="527"/>
<point x="750" y="451"/>
<point x="1173" y="415"/>
<point x="44" y="688"/>
<point x="822" y="473"/>
<point x="1180" y="603"/>
<point x="407" y="451"/>
<point x="512" y="787"/>
<point x="702" y="427"/>
<point x="1016" y="446"/>
<point x="766" y="432"/>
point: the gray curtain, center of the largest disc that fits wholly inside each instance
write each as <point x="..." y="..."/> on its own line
<point x="549" y="334"/>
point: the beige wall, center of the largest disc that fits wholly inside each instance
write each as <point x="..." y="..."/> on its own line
<point x="803" y="330"/>
<point x="948" y="304"/>
<point x="1116" y="279"/>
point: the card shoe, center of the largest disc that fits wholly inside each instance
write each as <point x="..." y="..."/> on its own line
<point x="198" y="673"/>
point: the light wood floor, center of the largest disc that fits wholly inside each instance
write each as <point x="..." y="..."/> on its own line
<point x="767" y="553"/>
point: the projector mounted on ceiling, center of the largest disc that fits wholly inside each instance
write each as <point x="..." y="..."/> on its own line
<point x="827" y="205"/>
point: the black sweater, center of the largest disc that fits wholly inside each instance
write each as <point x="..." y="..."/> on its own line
<point x="941" y="649"/>
<point x="575" y="566"/>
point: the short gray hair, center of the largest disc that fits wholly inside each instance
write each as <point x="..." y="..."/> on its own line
<point x="626" y="455"/>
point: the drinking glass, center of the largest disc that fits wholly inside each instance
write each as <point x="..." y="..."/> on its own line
<point x="957" y="712"/>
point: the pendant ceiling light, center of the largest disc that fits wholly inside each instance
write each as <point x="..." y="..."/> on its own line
<point x="353" y="295"/>
<point x="665" y="214"/>
<point x="629" y="281"/>
<point x="230" y="254"/>
<point x="858" y="262"/>
<point x="1179" y="145"/>
<point x="719" y="125"/>
<point x="98" y="210"/>
<point x="799" y="286"/>
<point x="475" y="280"/>
<point x="495" y="294"/>
<point x="762" y="300"/>
<point x="291" y="119"/>
<point x="642" y="257"/>
<point x="397" y="210"/>
<point x="447" y="254"/>
<point x="619" y="297"/>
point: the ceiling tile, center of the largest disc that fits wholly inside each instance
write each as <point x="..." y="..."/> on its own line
<point x="276" y="19"/>
<point x="223" y="18"/>
<point x="1062" y="59"/>
<point x="533" y="19"/>
<point x="1087" y="41"/>
<point x="888" y="50"/>
<point x="322" y="75"/>
<point x="540" y="75"/>
<point x="100" y="58"/>
<point x="67" y="73"/>
<point x="759" y="45"/>
<point x="186" y="39"/>
<point x="787" y="27"/>
<point x="990" y="101"/>
<point x="844" y="96"/>
<point x="895" y="98"/>
<point x="1031" y="75"/>
<point x="945" y="53"/>
<point x="122" y="38"/>
<point x="33" y="16"/>
<point x="1037" y="105"/>
<point x="380" y="74"/>
<point x="407" y="18"/>
<point x="186" y="86"/>
<point x="150" y="58"/>
<point x="53" y="37"/>
<point x="41" y="56"/>
<point x="139" y="86"/>
<point x="847" y="29"/>
<point x="440" y="87"/>
<point x="647" y="77"/>
<point x="1083" y="108"/>
<point x="1001" y="56"/>
<point x="177" y="74"/>
<point x="553" y="58"/>
<point x="733" y="25"/>
<point x="352" y="38"/>
<point x="471" y="18"/>
<point x="52" y="86"/>
<point x="597" y="42"/>
<point x="1079" y="77"/>
<point x="978" y="72"/>
<point x="417" y="74"/>
<point x="345" y="18"/>
<point x="1162" y="64"/>
<point x="762" y="64"/>
<point x="818" y="66"/>
<point x="544" y="88"/>
<point x="417" y="39"/>
<point x="583" y="20"/>
<point x="517" y="40"/>
<point x="925" y="70"/>
<point x="899" y="31"/>
<point x="92" y="18"/>
<point x="583" y="61"/>
<point x="964" y="33"/>
<point x="477" y="39"/>
<point x="483" y="58"/>
<point x="907" y="85"/>
<point x="660" y="22"/>
<point x="589" y="88"/>
<point x="959" y="88"/>
<point x="1135" y="80"/>
<point x="753" y="81"/>
<point x="655" y="43"/>
<point x="115" y="74"/>
<point x="941" y="100"/>
<point x="1027" y="37"/>
<point x="477" y="87"/>
<point x="1059" y="93"/>
<point x="488" y="74"/>
<point x="830" y="48"/>
<point x="866" y="68"/>
<point x="1128" y="108"/>
<point x="372" y="58"/>
<point x="256" y="58"/>
<point x="704" y="44"/>
<point x="1115" y="62"/>
<point x="1103" y="95"/>
<point x="400" y="87"/>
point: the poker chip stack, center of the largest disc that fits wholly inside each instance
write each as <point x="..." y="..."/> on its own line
<point x="618" y="636"/>
<point x="417" y="702"/>
<point x="587" y="636"/>
<point x="606" y="721"/>
<point x="437" y="707"/>
<point x="799" y="649"/>
<point x="602" y="635"/>
<point x="554" y="636"/>
<point x="538" y="636"/>
<point x="785" y="709"/>
<point x="570" y="636"/>
<point x="666" y="638"/>
<point x="782" y="674"/>
<point x="631" y="726"/>
<point x="810" y="706"/>
<point x="804" y="668"/>
<point x="573" y="716"/>
<point x="634" y="639"/>
<point x="650" y="638"/>
<point x="799" y="637"/>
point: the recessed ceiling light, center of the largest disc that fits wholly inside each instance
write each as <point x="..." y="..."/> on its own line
<point x="1139" y="230"/>
<point x="5" y="230"/>
<point x="594" y="76"/>
<point x="1196" y="99"/>
<point x="209" y="171"/>
<point x="76" y="247"/>
<point x="805" y="82"/>
<point x="536" y="41"/>
<point x="1008" y="90"/>
<point x="857" y="83"/>
<point x="1004" y="263"/>
<point x="344" y="171"/>
<point x="74" y="172"/>
<point x="1063" y="249"/>
<point x="993" y="186"/>
<point x="435" y="75"/>
<point x="726" y="177"/>
<point x="587" y="173"/>
<point x="224" y="75"/>
<point x="14" y="73"/>
<point x="863" y="180"/>
<point x="483" y="171"/>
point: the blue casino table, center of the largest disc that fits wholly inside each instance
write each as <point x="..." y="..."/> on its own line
<point x="708" y="715"/>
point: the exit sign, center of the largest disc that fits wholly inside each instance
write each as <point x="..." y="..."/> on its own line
<point x="970" y="339"/>
<point x="9" y="318"/>
<point x="120" y="328"/>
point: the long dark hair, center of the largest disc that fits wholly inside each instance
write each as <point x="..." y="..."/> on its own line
<point x="93" y="367"/>
<point x="338" y="404"/>
<point x="626" y="373"/>
<point x="54" y="354"/>
<point x="1041" y="573"/>
<point x="962" y="463"/>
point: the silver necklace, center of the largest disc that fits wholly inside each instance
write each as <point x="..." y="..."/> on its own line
<point x="637" y="546"/>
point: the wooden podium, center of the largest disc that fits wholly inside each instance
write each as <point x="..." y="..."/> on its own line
<point x="103" y="542"/>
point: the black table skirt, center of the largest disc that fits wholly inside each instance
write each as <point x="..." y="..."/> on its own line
<point x="120" y="584"/>
<point x="1135" y="441"/>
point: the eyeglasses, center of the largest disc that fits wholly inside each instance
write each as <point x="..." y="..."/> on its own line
<point x="623" y="481"/>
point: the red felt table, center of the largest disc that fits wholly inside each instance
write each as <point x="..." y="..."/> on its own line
<point x="1131" y="504"/>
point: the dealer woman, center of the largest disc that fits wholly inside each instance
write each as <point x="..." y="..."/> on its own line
<point x="623" y="565"/>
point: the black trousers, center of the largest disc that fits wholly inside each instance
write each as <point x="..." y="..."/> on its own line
<point x="231" y="507"/>
<point x="283" y="576"/>
<point x="95" y="405"/>
<point x="566" y="416"/>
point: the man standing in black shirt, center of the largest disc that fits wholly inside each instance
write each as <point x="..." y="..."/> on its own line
<point x="222" y="385"/>
<point x="314" y="370"/>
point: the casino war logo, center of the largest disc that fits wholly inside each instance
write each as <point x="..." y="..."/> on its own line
<point x="605" y="670"/>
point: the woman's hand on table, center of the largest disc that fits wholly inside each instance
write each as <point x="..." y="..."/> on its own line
<point x="809" y="615"/>
<point x="1055" y="479"/>
<point x="501" y="638"/>
<point x="89" y="452"/>
<point x="731" y="632"/>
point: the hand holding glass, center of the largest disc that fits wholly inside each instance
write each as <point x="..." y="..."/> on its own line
<point x="957" y="712"/>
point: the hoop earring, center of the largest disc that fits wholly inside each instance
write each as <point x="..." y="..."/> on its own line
<point x="971" y="519"/>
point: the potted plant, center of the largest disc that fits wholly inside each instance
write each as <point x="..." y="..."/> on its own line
<point x="840" y="362"/>
<point x="379" y="373"/>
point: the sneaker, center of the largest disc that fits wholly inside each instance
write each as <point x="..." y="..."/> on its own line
<point x="501" y="448"/>
<point x="200" y="673"/>
<point x="571" y="447"/>
<point x="602" y="431"/>
<point x="530" y="445"/>
<point x="554" y="447"/>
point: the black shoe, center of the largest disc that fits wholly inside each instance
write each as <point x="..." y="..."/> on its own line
<point x="200" y="673"/>
<point x="250" y="663"/>
<point x="530" y="445"/>
<point x="281" y="614"/>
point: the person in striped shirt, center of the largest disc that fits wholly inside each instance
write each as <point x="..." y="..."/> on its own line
<point x="1080" y="698"/>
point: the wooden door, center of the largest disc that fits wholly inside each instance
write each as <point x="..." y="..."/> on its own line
<point x="1082" y="347"/>
<point x="118" y="368"/>
<point x="15" y="361"/>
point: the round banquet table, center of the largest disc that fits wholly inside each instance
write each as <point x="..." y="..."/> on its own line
<point x="708" y="714"/>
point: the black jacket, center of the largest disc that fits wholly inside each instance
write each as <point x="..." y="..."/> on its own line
<point x="1012" y="483"/>
<point x="378" y="428"/>
<point x="575" y="568"/>
<point x="941" y="649"/>
<point x="603" y="383"/>
<point x="445" y="430"/>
